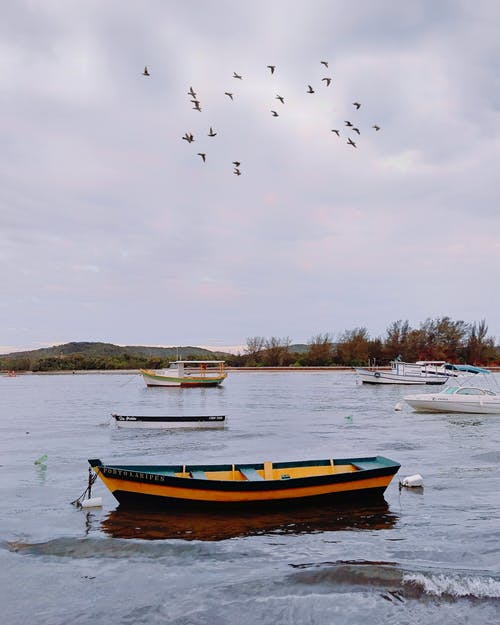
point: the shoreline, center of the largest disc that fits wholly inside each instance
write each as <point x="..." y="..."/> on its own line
<point x="227" y="369"/>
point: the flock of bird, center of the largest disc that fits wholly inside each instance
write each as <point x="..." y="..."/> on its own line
<point x="189" y="137"/>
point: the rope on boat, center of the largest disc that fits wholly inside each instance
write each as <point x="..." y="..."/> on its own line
<point x="87" y="493"/>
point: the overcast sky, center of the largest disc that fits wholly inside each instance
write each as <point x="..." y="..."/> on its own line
<point x="113" y="229"/>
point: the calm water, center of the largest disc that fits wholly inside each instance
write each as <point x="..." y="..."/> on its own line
<point x="419" y="558"/>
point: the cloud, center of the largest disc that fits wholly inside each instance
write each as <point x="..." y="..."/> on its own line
<point x="106" y="214"/>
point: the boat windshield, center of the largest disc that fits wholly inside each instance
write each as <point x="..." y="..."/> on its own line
<point x="473" y="391"/>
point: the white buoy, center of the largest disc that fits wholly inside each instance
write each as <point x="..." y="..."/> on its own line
<point x="413" y="481"/>
<point x="398" y="406"/>
<point x="94" y="502"/>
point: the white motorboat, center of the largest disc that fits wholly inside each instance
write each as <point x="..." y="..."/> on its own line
<point x="421" y="372"/>
<point x="464" y="398"/>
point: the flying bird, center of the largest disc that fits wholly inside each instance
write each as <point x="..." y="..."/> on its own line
<point x="351" y="142"/>
<point x="356" y="104"/>
<point x="237" y="171"/>
<point x="196" y="106"/>
<point x="229" y="95"/>
<point x="235" y="75"/>
<point x="376" y="127"/>
<point x="327" y="80"/>
<point x="356" y="130"/>
<point x="337" y="132"/>
<point x="310" y="89"/>
<point x="146" y="72"/>
<point x="348" y="123"/>
<point x="191" y="92"/>
<point x="236" y="164"/>
<point x="272" y="68"/>
<point x="203" y="156"/>
<point x="188" y="137"/>
<point x="274" y="114"/>
<point x="211" y="133"/>
<point x="281" y="99"/>
<point x="325" y="63"/>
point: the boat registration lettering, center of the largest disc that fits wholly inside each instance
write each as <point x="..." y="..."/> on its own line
<point x="134" y="474"/>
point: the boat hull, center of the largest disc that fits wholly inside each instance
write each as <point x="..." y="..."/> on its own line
<point x="443" y="404"/>
<point x="167" y="487"/>
<point x="168" y="423"/>
<point x="152" y="380"/>
<point x="386" y="377"/>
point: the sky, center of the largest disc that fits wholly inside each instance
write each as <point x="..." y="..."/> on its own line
<point x="113" y="229"/>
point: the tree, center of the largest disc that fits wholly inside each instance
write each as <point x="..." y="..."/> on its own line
<point x="276" y="351"/>
<point x="255" y="345"/>
<point x="353" y="347"/>
<point x="480" y="348"/>
<point x="320" y="350"/>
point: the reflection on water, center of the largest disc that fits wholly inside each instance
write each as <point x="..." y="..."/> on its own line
<point x="212" y="526"/>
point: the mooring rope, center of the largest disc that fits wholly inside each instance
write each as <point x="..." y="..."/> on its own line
<point x="87" y="493"/>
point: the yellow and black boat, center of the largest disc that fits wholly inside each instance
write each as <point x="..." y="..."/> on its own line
<point x="233" y="486"/>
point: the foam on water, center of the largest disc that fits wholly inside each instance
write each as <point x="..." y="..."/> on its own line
<point x="453" y="586"/>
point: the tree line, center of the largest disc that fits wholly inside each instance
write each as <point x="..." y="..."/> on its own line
<point x="434" y="339"/>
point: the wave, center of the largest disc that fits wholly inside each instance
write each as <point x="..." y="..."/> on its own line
<point x="452" y="586"/>
<point x="395" y="582"/>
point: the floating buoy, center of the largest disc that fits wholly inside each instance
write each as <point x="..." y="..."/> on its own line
<point x="413" y="481"/>
<point x="398" y="406"/>
<point x="94" y="502"/>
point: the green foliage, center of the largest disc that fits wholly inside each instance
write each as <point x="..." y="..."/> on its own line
<point x="435" y="339"/>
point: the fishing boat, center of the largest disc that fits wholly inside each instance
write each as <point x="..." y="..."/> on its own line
<point x="433" y="372"/>
<point x="187" y="373"/>
<point x="466" y="398"/>
<point x="167" y="423"/>
<point x="260" y="484"/>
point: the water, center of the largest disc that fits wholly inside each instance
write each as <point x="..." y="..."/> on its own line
<point x="421" y="557"/>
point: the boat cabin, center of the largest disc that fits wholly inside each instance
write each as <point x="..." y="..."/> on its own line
<point x="197" y="367"/>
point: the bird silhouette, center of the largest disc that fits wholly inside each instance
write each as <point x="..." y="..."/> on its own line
<point x="146" y="72"/>
<point x="376" y="127"/>
<point x="356" y="130"/>
<point x="351" y="142"/>
<point x="348" y="123"/>
<point x="211" y="133"/>
<point x="281" y="99"/>
<point x="188" y="137"/>
<point x="235" y="75"/>
<point x="274" y="114"/>
<point x="272" y="68"/>
<point x="229" y="95"/>
<point x="196" y="106"/>
<point x="237" y="171"/>
<point x="337" y="132"/>
<point x="325" y="63"/>
<point x="310" y="89"/>
<point x="191" y="92"/>
<point x="203" y="156"/>
<point x="327" y="80"/>
<point x="356" y="104"/>
<point x="236" y="164"/>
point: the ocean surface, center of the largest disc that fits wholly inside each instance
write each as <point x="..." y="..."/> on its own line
<point x="422" y="556"/>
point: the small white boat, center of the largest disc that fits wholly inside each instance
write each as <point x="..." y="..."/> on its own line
<point x="167" y="423"/>
<point x="434" y="372"/>
<point x="187" y="373"/>
<point x="465" y="398"/>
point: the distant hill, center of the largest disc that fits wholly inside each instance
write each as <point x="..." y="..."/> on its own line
<point x="108" y="349"/>
<point x="299" y="348"/>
